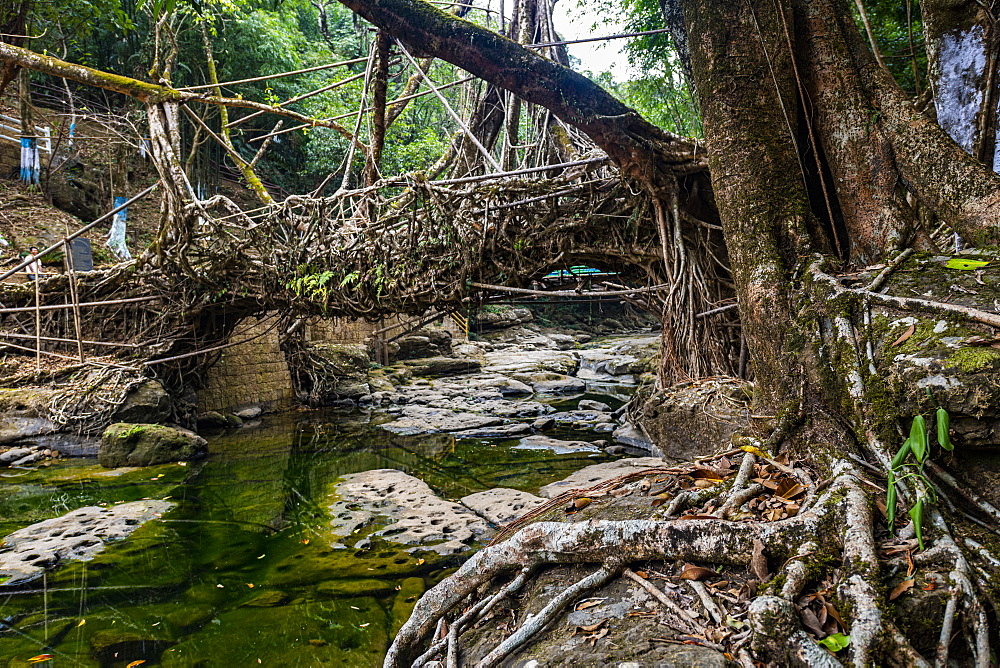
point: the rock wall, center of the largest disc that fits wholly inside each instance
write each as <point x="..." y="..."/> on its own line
<point x="344" y="330"/>
<point x="251" y="373"/>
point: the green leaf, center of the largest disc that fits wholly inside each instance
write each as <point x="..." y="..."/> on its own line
<point x="918" y="438"/>
<point x="835" y="642"/>
<point x="943" y="421"/>
<point x="900" y="455"/>
<point x="964" y="264"/>
<point x="890" y="502"/>
<point x="917" y="515"/>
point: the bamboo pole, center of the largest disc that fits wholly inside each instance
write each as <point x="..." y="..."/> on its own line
<point x="267" y="77"/>
<point x="53" y="339"/>
<point x="59" y="307"/>
<point x="465" y="128"/>
<point x="38" y="320"/>
<point x="82" y="230"/>
<point x="75" y="296"/>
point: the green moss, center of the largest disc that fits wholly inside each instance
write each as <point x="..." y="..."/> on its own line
<point x="971" y="359"/>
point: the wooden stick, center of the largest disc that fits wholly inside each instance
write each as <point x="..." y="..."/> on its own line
<point x="277" y="76"/>
<point x="59" y="307"/>
<point x="38" y="318"/>
<point x="716" y="310"/>
<point x="82" y="230"/>
<point x="472" y="137"/>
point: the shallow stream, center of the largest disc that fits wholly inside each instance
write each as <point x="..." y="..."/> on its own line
<point x="242" y="572"/>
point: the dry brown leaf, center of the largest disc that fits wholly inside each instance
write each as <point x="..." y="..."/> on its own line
<point x="833" y="613"/>
<point x="698" y="517"/>
<point x="643" y="574"/>
<point x="705" y="474"/>
<point x="758" y="562"/>
<point x="930" y="586"/>
<point x="812" y="622"/>
<point x="590" y="628"/>
<point x="697" y="573"/>
<point x="900" y="589"/>
<point x="907" y="334"/>
<point x="592" y="639"/>
<point x="590" y="603"/>
<point x="705" y="483"/>
<point x="659" y="501"/>
<point x="789" y="489"/>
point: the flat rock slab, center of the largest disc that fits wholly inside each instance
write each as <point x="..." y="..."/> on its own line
<point x="500" y="431"/>
<point x="414" y="513"/>
<point x="502" y="505"/>
<point x="426" y="420"/>
<point x="539" y="442"/>
<point x="75" y="536"/>
<point x="592" y="475"/>
<point x="508" y="362"/>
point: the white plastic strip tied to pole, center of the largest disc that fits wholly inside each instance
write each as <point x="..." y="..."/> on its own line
<point x="30" y="162"/>
<point x="116" y="238"/>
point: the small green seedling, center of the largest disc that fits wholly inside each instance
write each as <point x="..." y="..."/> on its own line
<point x="901" y="468"/>
<point x="835" y="642"/>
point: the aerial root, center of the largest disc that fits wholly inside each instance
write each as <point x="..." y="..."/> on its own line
<point x="775" y="631"/>
<point x="552" y="609"/>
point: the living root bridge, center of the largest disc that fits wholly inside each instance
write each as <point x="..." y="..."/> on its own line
<point x="834" y="537"/>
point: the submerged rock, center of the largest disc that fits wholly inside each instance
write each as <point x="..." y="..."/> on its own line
<point x="415" y="514"/>
<point x="425" y="420"/>
<point x="146" y="444"/>
<point x="78" y="535"/>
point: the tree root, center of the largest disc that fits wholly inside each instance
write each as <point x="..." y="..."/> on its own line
<point x="776" y="634"/>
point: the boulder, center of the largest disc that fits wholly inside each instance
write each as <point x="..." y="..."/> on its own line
<point x="13" y="429"/>
<point x="590" y="405"/>
<point x="632" y="436"/>
<point x="501" y="505"/>
<point x="589" y="476"/>
<point x="424" y="343"/>
<point x="435" y="367"/>
<point x="539" y="442"/>
<point x="552" y="383"/>
<point x="543" y="424"/>
<point x="146" y="403"/>
<point x="426" y="420"/>
<point x="124" y="444"/>
<point x="210" y="420"/>
<point x="690" y="419"/>
<point x="249" y="413"/>
<point x="500" y="431"/>
<point x="563" y="341"/>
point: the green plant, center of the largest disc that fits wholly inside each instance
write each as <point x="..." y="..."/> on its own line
<point x="902" y="467"/>
<point x="835" y="642"/>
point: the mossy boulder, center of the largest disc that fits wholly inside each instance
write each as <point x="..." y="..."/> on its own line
<point x="125" y="444"/>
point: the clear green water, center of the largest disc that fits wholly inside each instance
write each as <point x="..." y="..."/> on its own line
<point x="241" y="573"/>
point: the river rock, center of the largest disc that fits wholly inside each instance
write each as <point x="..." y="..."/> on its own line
<point x="563" y="341"/>
<point x="501" y="505"/>
<point x="690" y="419"/>
<point x="249" y="413"/>
<point x="543" y="424"/>
<point x="425" y="420"/>
<point x="552" y="383"/>
<point x="77" y="535"/>
<point x="434" y="367"/>
<point x="531" y="361"/>
<point x="500" y="431"/>
<point x="415" y="515"/>
<point x="632" y="436"/>
<point x="14" y="429"/>
<point x="589" y="476"/>
<point x="539" y="442"/>
<point x="424" y="343"/>
<point x="124" y="444"/>
<point x="591" y="405"/>
<point x="148" y="402"/>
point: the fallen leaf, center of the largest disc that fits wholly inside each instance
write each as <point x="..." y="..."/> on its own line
<point x="811" y="621"/>
<point x="40" y="658"/>
<point x="136" y="663"/>
<point x="597" y="636"/>
<point x="789" y="489"/>
<point x="705" y="483"/>
<point x="305" y="541"/>
<point x="697" y="573"/>
<point x="900" y="589"/>
<point x="698" y="517"/>
<point x="643" y="574"/>
<point x="82" y="622"/>
<point x="706" y="474"/>
<point x="930" y="586"/>
<point x="907" y="334"/>
<point x="621" y="491"/>
<point x="364" y="625"/>
<point x="250" y="584"/>
<point x="589" y="603"/>
<point x="659" y="501"/>
<point x="758" y="562"/>
<point x="590" y="628"/>
<point x="577" y="505"/>
<point x="754" y="451"/>
<point x="965" y="264"/>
